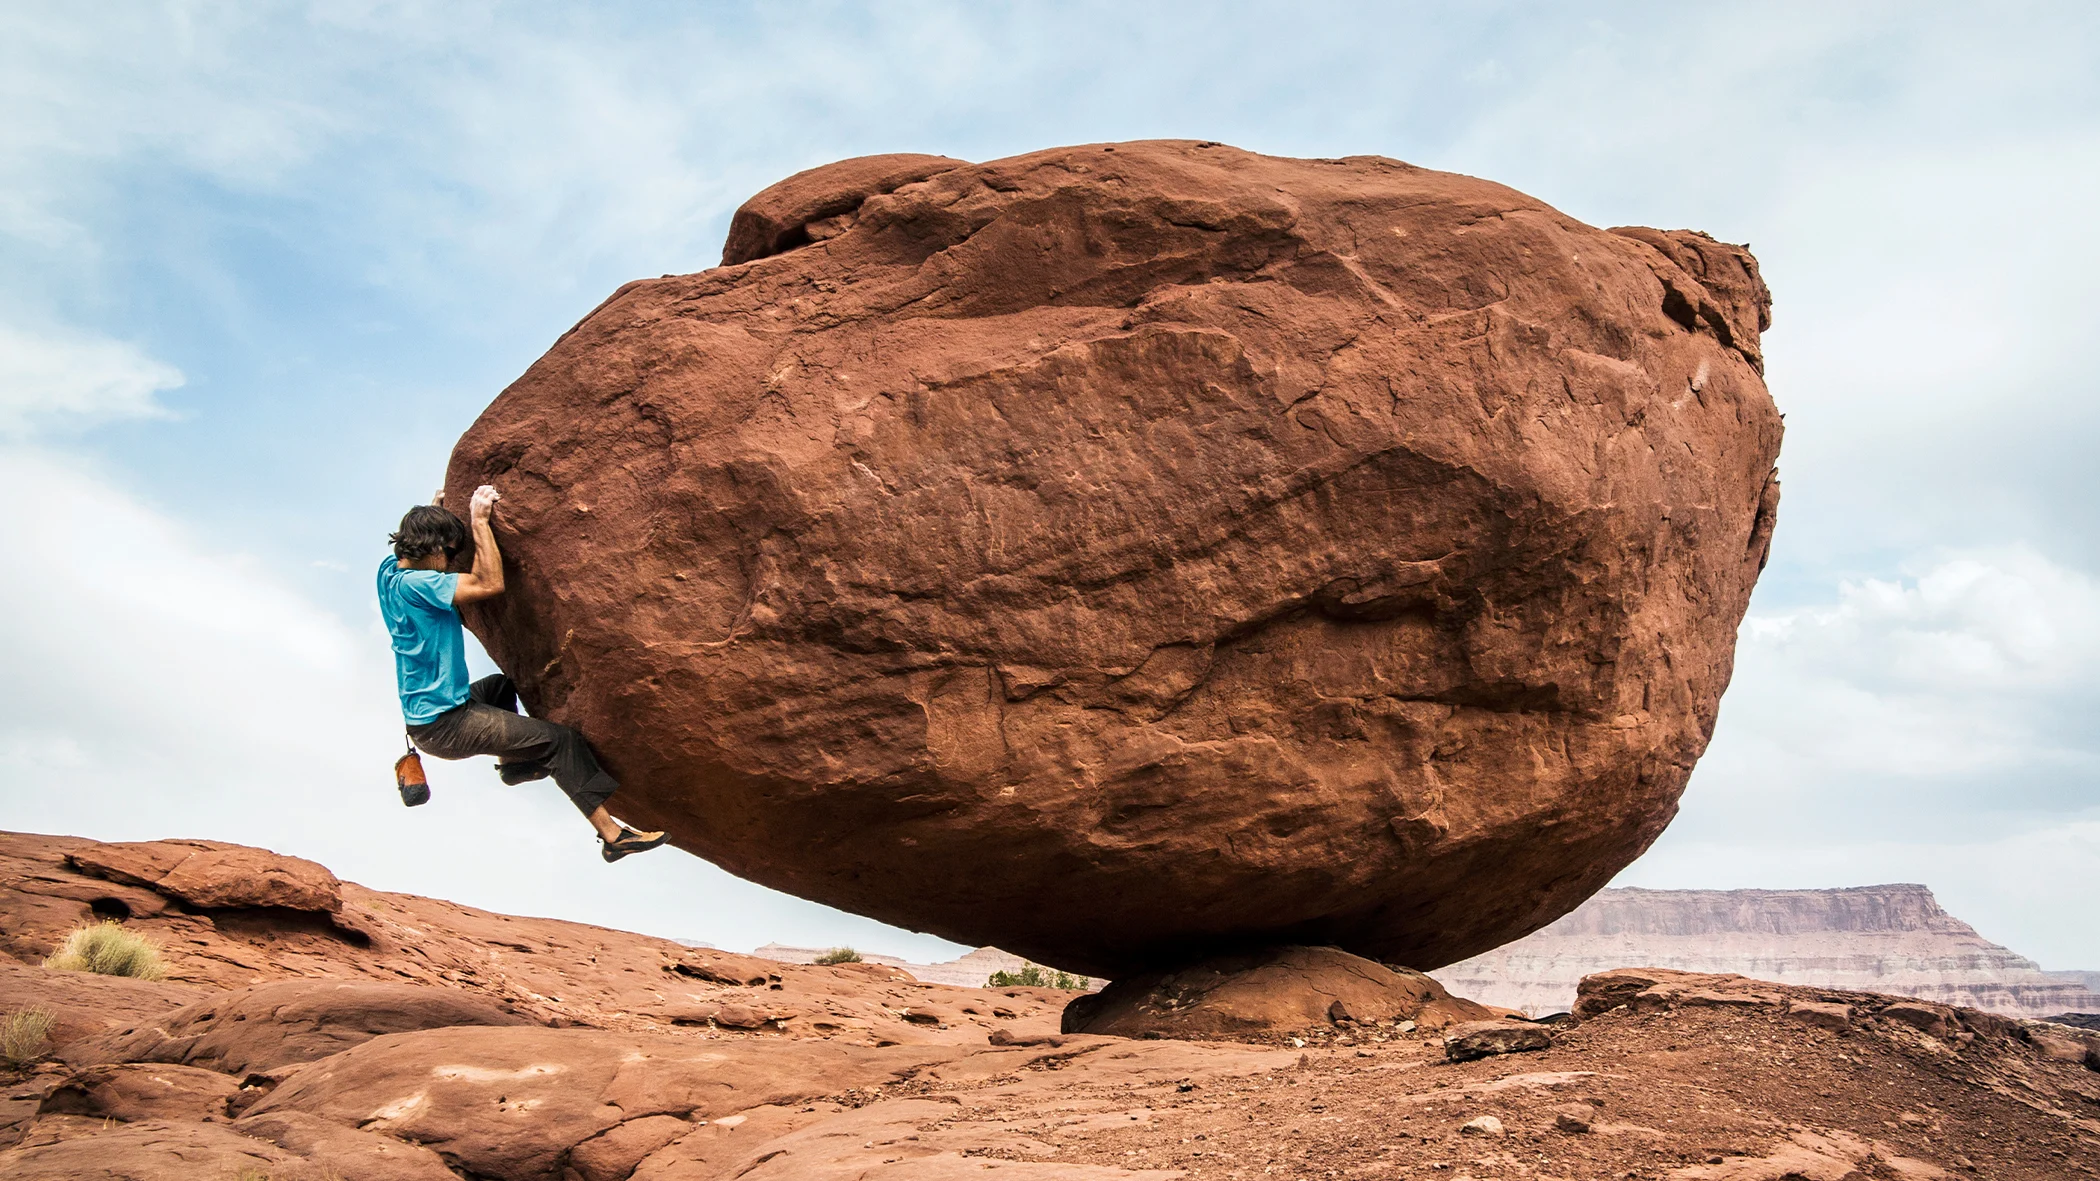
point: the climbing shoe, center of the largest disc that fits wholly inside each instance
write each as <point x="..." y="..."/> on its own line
<point x="630" y="841"/>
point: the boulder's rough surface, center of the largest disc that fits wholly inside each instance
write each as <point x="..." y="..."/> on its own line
<point x="1129" y="552"/>
<point x="1264" y="994"/>
<point x="820" y="203"/>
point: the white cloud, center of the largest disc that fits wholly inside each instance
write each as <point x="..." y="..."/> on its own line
<point x="60" y="378"/>
<point x="1933" y="728"/>
<point x="1980" y="664"/>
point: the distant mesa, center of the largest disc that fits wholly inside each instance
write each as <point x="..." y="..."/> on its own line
<point x="1891" y="939"/>
<point x="1128" y="553"/>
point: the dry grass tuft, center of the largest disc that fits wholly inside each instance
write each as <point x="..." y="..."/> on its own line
<point x="839" y="955"/>
<point x="107" y="949"/>
<point x="24" y="1036"/>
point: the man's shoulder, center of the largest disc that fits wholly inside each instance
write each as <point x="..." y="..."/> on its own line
<point x="427" y="588"/>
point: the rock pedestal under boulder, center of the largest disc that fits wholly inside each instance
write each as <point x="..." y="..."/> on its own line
<point x="1269" y="993"/>
<point x="1130" y="552"/>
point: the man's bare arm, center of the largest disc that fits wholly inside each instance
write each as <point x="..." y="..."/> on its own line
<point x="485" y="580"/>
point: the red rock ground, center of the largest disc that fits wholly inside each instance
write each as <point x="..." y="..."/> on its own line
<point x="592" y="1055"/>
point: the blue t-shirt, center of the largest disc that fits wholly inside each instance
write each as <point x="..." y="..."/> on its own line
<point x="430" y="648"/>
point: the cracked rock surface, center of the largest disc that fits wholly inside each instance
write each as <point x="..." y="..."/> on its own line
<point x="1126" y="553"/>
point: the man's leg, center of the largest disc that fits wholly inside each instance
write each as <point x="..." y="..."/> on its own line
<point x="577" y="772"/>
<point x="497" y="691"/>
<point x="480" y="728"/>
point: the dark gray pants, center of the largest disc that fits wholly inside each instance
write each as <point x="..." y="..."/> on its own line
<point x="525" y="748"/>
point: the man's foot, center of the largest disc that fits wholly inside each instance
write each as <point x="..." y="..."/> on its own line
<point x="630" y="841"/>
<point x="513" y="774"/>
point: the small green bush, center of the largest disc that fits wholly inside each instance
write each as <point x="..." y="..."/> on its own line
<point x="24" y="1036"/>
<point x="1036" y="976"/>
<point x="107" y="949"/>
<point x="839" y="955"/>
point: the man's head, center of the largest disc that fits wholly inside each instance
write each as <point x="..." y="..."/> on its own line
<point x="428" y="530"/>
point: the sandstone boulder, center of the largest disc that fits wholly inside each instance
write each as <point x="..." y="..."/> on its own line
<point x="1649" y="989"/>
<point x="1129" y="552"/>
<point x="213" y="875"/>
<point x="1929" y="1019"/>
<point x="1266" y="993"/>
<point x="1823" y="1016"/>
<point x="1485" y="1039"/>
<point x="1485" y="1125"/>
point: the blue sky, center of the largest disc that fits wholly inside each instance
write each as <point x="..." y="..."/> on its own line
<point x="261" y="264"/>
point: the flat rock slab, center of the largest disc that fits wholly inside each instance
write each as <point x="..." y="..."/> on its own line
<point x="1126" y="552"/>
<point x="288" y="1021"/>
<point x="142" y="1091"/>
<point x="511" y="1102"/>
<point x="152" y="1150"/>
<point x="1264" y="995"/>
<point x="348" y="1152"/>
<point x="85" y="1005"/>
<point x="1484" y="1039"/>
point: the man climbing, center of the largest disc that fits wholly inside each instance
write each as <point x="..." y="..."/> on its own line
<point x="451" y="719"/>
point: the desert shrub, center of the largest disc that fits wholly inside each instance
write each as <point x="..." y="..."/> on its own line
<point x="24" y="1035"/>
<point x="107" y="949"/>
<point x="1036" y="976"/>
<point x="839" y="955"/>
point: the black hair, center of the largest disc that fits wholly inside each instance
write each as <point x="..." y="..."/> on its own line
<point x="427" y="528"/>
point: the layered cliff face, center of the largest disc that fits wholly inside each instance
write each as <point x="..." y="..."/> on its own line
<point x="1893" y="939"/>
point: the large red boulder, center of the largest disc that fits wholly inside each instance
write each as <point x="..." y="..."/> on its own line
<point x="1125" y="552"/>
